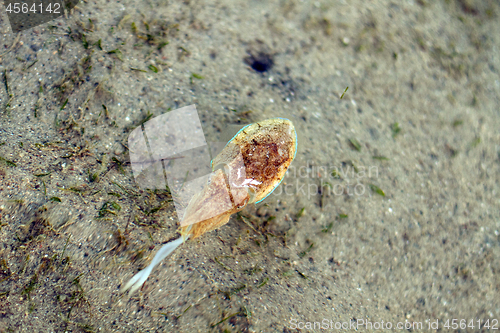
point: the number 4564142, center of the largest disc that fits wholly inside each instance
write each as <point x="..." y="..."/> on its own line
<point x="462" y="324"/>
<point x="17" y="8"/>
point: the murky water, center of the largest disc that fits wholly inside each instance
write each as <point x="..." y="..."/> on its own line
<point x="389" y="211"/>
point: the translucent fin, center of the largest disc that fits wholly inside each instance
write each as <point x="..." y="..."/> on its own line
<point x="137" y="280"/>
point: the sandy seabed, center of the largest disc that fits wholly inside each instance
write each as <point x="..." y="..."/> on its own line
<point x="418" y="248"/>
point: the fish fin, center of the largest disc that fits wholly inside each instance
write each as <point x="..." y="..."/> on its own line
<point x="138" y="279"/>
<point x="209" y="225"/>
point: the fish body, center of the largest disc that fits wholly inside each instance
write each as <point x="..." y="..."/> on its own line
<point x="248" y="169"/>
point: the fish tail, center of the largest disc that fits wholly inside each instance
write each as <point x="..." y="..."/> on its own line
<point x="137" y="280"/>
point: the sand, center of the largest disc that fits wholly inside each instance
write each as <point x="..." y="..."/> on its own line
<point x="390" y="211"/>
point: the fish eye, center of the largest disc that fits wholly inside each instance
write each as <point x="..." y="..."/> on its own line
<point x="243" y="204"/>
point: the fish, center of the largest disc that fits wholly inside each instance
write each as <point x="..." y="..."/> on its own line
<point x="247" y="170"/>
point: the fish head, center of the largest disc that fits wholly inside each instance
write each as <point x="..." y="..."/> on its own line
<point x="258" y="156"/>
